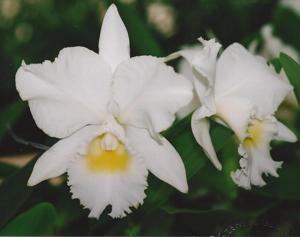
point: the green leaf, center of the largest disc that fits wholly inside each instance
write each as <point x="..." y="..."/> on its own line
<point x="9" y="115"/>
<point x="14" y="192"/>
<point x="285" y="16"/>
<point x="276" y="64"/>
<point x="220" y="181"/>
<point x="220" y="135"/>
<point x="140" y="36"/>
<point x="39" y="220"/>
<point x="133" y="230"/>
<point x="292" y="70"/>
<point x="7" y="169"/>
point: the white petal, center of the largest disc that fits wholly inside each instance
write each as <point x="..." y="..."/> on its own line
<point x="259" y="162"/>
<point x="200" y="127"/>
<point x="56" y="160"/>
<point x="114" y="41"/>
<point x="236" y="113"/>
<point x="241" y="177"/>
<point x="185" y="69"/>
<point x="203" y="62"/>
<point x="256" y="160"/>
<point x="147" y="89"/>
<point x="67" y="94"/>
<point x="284" y="133"/>
<point x="186" y="110"/>
<point x="161" y="159"/>
<point x="242" y="75"/>
<point x="100" y="189"/>
<point x="204" y="59"/>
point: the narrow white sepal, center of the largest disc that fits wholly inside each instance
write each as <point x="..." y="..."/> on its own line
<point x="200" y="129"/>
<point x="114" y="40"/>
<point x="284" y="133"/>
<point x="56" y="160"/>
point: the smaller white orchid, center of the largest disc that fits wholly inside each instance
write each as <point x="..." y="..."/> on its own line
<point x="108" y="110"/>
<point x="272" y="45"/>
<point x="241" y="92"/>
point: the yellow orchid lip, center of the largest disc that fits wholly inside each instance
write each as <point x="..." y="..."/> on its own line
<point x="255" y="131"/>
<point x="106" y="153"/>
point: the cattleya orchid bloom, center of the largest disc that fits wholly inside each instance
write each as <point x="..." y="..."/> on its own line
<point x="240" y="91"/>
<point x="108" y="110"/>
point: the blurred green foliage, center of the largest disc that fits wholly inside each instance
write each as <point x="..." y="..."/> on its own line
<point x="35" y="30"/>
<point x="292" y="69"/>
<point x="39" y="220"/>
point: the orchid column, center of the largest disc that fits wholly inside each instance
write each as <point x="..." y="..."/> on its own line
<point x="108" y="110"/>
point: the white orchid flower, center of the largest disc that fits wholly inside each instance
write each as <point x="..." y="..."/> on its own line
<point x="242" y="92"/>
<point x="107" y="108"/>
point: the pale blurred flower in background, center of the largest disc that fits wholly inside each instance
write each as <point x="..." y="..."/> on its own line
<point x="9" y="8"/>
<point x="292" y="4"/>
<point x="162" y="17"/>
<point x="23" y="32"/>
<point x="272" y="46"/>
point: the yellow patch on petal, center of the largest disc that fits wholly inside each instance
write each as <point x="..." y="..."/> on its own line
<point x="100" y="159"/>
<point x="255" y="132"/>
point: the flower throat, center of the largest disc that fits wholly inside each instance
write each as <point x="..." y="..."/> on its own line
<point x="106" y="153"/>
